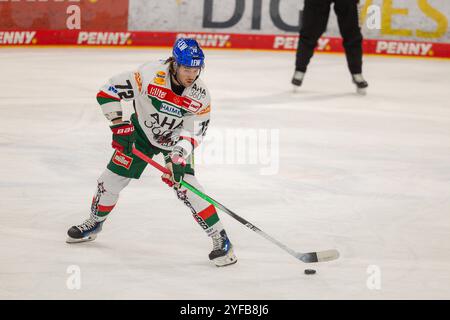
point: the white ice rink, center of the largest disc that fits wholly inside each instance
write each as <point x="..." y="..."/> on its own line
<point x="369" y="176"/>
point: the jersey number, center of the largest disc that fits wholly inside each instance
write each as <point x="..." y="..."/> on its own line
<point x="126" y="94"/>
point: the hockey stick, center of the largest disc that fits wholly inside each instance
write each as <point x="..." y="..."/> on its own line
<point x="319" y="256"/>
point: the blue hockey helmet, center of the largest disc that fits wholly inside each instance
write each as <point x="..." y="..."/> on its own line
<point x="187" y="52"/>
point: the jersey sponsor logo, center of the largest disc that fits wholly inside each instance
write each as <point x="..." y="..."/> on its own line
<point x="169" y="109"/>
<point x="160" y="81"/>
<point x="160" y="78"/>
<point x="157" y="92"/>
<point x="191" y="105"/>
<point x="197" y="92"/>
<point x="162" y="127"/>
<point x="122" y="160"/>
<point x="96" y="38"/>
<point x="159" y="121"/>
<point x="168" y="95"/>
<point x="404" y="48"/>
<point x="17" y="37"/>
<point x="138" y="78"/>
<point x="209" y="39"/>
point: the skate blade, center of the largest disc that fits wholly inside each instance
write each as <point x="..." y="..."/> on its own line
<point x="361" y="91"/>
<point x="85" y="239"/>
<point x="226" y="260"/>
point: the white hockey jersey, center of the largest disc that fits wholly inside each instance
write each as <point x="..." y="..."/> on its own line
<point x="166" y="118"/>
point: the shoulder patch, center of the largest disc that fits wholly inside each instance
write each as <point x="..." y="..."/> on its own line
<point x="160" y="78"/>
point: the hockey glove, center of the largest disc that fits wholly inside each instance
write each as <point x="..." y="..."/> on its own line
<point x="123" y="136"/>
<point x="176" y="163"/>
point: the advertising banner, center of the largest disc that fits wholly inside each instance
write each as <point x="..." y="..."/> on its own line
<point x="104" y="15"/>
<point x="390" y="27"/>
<point x="405" y="20"/>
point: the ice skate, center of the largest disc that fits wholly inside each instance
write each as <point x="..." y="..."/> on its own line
<point x="87" y="231"/>
<point x="361" y="84"/>
<point x="297" y="79"/>
<point x="222" y="254"/>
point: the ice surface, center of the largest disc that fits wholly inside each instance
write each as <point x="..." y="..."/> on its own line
<point x="369" y="176"/>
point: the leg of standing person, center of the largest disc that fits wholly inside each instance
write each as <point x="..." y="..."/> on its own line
<point x="348" y="20"/>
<point x="313" y="24"/>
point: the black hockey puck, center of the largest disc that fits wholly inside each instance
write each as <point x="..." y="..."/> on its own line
<point x="310" y="271"/>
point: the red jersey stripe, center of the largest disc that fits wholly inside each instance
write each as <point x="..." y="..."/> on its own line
<point x="102" y="94"/>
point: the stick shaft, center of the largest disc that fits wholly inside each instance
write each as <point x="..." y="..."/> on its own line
<point x="216" y="204"/>
<point x="150" y="161"/>
<point x="246" y="223"/>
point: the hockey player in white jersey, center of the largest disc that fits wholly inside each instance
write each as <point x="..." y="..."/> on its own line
<point x="172" y="110"/>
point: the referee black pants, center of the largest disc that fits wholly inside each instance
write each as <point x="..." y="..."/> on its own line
<point x="314" y="24"/>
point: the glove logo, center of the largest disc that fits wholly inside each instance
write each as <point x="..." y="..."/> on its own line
<point x="125" y="131"/>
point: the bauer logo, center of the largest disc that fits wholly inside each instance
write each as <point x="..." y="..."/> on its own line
<point x="170" y="110"/>
<point x="122" y="160"/>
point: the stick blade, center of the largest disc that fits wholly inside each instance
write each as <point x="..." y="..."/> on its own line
<point x="319" y="256"/>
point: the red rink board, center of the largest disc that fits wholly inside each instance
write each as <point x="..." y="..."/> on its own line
<point x="213" y="40"/>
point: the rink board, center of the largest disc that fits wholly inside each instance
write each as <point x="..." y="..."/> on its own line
<point x="215" y="40"/>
